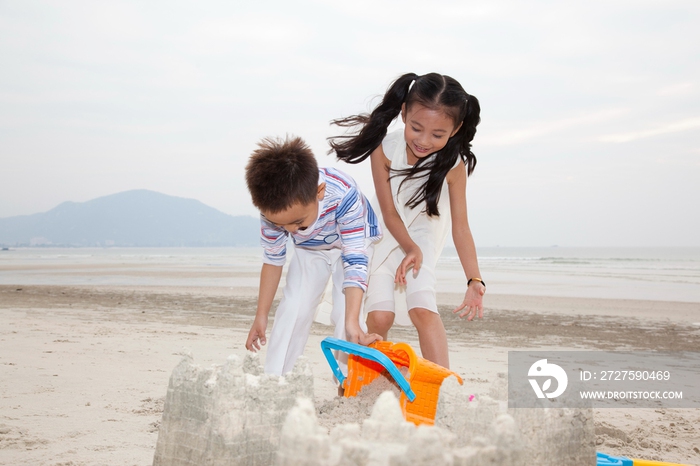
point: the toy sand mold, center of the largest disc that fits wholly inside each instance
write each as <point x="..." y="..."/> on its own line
<point x="419" y="392"/>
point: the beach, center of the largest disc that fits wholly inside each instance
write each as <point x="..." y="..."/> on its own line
<point x="89" y="338"/>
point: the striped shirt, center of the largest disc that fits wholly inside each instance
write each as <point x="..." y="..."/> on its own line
<point x="345" y="220"/>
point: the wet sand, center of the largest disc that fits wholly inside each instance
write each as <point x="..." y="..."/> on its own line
<point x="85" y="368"/>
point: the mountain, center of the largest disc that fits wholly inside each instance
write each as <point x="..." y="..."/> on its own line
<point x="131" y="218"/>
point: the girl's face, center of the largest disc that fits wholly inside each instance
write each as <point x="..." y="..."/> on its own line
<point x="426" y="132"/>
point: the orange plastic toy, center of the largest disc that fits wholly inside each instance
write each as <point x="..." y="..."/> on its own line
<point x="424" y="377"/>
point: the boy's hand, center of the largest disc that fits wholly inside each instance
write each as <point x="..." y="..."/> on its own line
<point x="354" y="334"/>
<point x="414" y="258"/>
<point x="473" y="304"/>
<point x="367" y="339"/>
<point x="256" y="336"/>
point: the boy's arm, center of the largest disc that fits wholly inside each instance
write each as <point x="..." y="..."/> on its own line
<point x="351" y="217"/>
<point x="269" y="281"/>
<point x="353" y="331"/>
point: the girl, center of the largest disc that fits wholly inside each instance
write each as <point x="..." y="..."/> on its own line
<point x="420" y="175"/>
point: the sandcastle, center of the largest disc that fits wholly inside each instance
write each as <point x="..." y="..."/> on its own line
<point x="228" y="414"/>
<point x="235" y="414"/>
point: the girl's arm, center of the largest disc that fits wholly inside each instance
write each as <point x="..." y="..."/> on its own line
<point x="464" y="243"/>
<point x="392" y="220"/>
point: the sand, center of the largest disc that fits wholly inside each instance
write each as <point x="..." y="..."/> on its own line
<point x="85" y="369"/>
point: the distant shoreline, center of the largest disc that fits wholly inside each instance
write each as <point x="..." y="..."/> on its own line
<point x="642" y="274"/>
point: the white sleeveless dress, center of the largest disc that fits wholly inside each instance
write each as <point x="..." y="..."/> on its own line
<point x="429" y="233"/>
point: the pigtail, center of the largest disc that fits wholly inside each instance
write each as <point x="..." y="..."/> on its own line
<point x="356" y="148"/>
<point x="468" y="130"/>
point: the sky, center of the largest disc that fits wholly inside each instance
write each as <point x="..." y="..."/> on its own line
<point x="590" y="121"/>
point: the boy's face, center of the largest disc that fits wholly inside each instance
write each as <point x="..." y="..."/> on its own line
<point x="299" y="216"/>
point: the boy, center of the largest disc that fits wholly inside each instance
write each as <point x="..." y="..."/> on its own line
<point x="332" y="226"/>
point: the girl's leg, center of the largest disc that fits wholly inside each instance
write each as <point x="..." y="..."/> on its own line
<point x="379" y="302"/>
<point x="423" y="311"/>
<point x="431" y="335"/>
<point x="380" y="322"/>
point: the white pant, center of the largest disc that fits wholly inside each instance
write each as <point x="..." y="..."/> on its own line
<point x="307" y="276"/>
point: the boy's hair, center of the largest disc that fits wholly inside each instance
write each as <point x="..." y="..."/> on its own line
<point x="282" y="173"/>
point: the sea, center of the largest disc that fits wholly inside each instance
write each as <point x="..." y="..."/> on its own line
<point x="658" y="274"/>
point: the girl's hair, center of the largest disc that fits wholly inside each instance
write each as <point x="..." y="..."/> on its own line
<point x="436" y="92"/>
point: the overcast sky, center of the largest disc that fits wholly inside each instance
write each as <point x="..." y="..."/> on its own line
<point x="590" y="132"/>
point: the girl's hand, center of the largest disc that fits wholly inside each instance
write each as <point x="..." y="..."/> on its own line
<point x="473" y="301"/>
<point x="414" y="258"/>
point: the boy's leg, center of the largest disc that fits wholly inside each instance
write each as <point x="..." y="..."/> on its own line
<point x="306" y="279"/>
